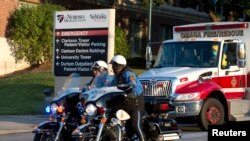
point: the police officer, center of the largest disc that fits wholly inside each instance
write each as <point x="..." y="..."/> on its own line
<point x="134" y="104"/>
<point x="99" y="70"/>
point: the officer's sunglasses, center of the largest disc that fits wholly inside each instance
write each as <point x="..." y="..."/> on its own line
<point x="95" y="69"/>
<point x="114" y="64"/>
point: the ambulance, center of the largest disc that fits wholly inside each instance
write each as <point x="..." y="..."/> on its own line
<point x="205" y="70"/>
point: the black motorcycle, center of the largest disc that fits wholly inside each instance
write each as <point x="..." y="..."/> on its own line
<point x="64" y="116"/>
<point x="105" y="104"/>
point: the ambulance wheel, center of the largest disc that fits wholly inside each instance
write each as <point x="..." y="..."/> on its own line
<point x="212" y="113"/>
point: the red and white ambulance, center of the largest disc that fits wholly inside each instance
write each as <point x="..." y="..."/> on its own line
<point x="205" y="69"/>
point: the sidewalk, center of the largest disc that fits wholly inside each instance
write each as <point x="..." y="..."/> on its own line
<point x="19" y="124"/>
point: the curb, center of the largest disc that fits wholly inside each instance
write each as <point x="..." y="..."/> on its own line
<point x="5" y="132"/>
<point x="19" y="124"/>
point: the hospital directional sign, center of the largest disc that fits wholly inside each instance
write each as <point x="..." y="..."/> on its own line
<point x="75" y="50"/>
<point x="81" y="37"/>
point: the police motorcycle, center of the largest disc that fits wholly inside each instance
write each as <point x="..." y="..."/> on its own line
<point x="64" y="116"/>
<point x="106" y="102"/>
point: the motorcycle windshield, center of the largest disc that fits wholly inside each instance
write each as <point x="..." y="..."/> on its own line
<point x="71" y="85"/>
<point x="103" y="80"/>
<point x="73" y="80"/>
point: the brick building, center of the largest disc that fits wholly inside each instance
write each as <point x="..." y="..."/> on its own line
<point x="7" y="62"/>
<point x="6" y="7"/>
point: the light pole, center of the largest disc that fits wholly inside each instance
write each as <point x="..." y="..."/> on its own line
<point x="149" y="22"/>
<point x="148" y="48"/>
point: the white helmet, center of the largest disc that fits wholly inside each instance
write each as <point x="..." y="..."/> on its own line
<point x="101" y="65"/>
<point x="119" y="59"/>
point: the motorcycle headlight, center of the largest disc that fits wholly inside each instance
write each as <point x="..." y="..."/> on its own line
<point x="56" y="109"/>
<point x="53" y="108"/>
<point x="91" y="109"/>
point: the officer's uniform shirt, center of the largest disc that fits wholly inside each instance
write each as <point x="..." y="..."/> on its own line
<point x="127" y="77"/>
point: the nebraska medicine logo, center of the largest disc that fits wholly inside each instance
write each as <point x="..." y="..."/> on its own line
<point x="98" y="17"/>
<point x="71" y="18"/>
<point x="60" y="18"/>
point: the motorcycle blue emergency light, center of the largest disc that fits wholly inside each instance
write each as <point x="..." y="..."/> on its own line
<point x="47" y="109"/>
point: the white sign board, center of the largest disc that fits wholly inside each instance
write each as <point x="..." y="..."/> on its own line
<point x="82" y="37"/>
<point x="78" y="19"/>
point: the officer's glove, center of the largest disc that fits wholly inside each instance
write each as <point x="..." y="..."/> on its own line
<point x="126" y="87"/>
<point x="131" y="95"/>
<point x="80" y="108"/>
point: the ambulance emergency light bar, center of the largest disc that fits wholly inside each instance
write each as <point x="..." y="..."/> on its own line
<point x="212" y="27"/>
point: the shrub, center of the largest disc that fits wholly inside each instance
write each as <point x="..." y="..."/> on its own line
<point x="30" y="33"/>
<point x="121" y="44"/>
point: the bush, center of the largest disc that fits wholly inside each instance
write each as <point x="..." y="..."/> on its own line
<point x="121" y="44"/>
<point x="30" y="33"/>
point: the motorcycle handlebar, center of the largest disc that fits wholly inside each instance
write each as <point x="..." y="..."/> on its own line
<point x="126" y="87"/>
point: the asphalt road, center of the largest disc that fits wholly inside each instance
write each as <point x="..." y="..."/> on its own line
<point x="28" y="136"/>
<point x="18" y="128"/>
<point x="19" y="124"/>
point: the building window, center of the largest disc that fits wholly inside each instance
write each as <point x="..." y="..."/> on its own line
<point x="135" y="37"/>
<point x="165" y="32"/>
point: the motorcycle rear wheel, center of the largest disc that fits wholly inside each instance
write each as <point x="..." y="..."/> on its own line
<point x="107" y="135"/>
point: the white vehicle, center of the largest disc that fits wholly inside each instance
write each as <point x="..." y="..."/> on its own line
<point x="205" y="68"/>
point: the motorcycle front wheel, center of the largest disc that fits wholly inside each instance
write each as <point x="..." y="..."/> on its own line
<point x="43" y="137"/>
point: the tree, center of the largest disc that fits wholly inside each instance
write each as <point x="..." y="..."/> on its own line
<point x="155" y="2"/>
<point x="30" y="33"/>
<point x="121" y="44"/>
<point x="232" y="9"/>
<point x="208" y="7"/>
<point x="144" y="3"/>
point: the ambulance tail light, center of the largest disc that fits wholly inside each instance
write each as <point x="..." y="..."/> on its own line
<point x="212" y="27"/>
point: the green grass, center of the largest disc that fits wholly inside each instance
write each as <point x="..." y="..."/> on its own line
<point x="22" y="94"/>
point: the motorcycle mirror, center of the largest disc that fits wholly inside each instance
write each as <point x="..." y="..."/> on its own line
<point x="47" y="92"/>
